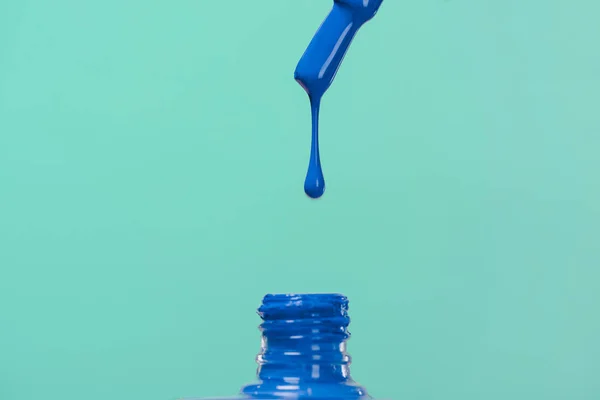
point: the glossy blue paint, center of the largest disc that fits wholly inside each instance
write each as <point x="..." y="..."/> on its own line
<point x="303" y="353"/>
<point x="304" y="348"/>
<point x="319" y="64"/>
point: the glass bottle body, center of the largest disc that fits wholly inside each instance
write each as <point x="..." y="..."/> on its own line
<point x="303" y="350"/>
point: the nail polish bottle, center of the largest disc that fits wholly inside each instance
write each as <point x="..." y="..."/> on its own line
<point x="303" y="350"/>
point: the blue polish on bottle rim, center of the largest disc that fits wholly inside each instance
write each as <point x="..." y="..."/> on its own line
<point x="318" y="66"/>
<point x="303" y="350"/>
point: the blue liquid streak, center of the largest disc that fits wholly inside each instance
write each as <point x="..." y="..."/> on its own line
<point x="314" y="184"/>
<point x="319" y="64"/>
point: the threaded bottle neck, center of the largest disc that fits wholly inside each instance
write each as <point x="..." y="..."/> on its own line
<point x="303" y="350"/>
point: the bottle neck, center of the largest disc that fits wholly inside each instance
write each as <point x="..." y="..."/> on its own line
<point x="303" y="349"/>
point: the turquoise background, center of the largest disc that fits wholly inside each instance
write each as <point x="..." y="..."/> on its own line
<point x="152" y="156"/>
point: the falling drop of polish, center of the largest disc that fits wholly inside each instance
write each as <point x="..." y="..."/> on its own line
<point x="314" y="184"/>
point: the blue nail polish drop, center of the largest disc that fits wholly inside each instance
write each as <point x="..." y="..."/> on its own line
<point x="303" y="352"/>
<point x="319" y="64"/>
